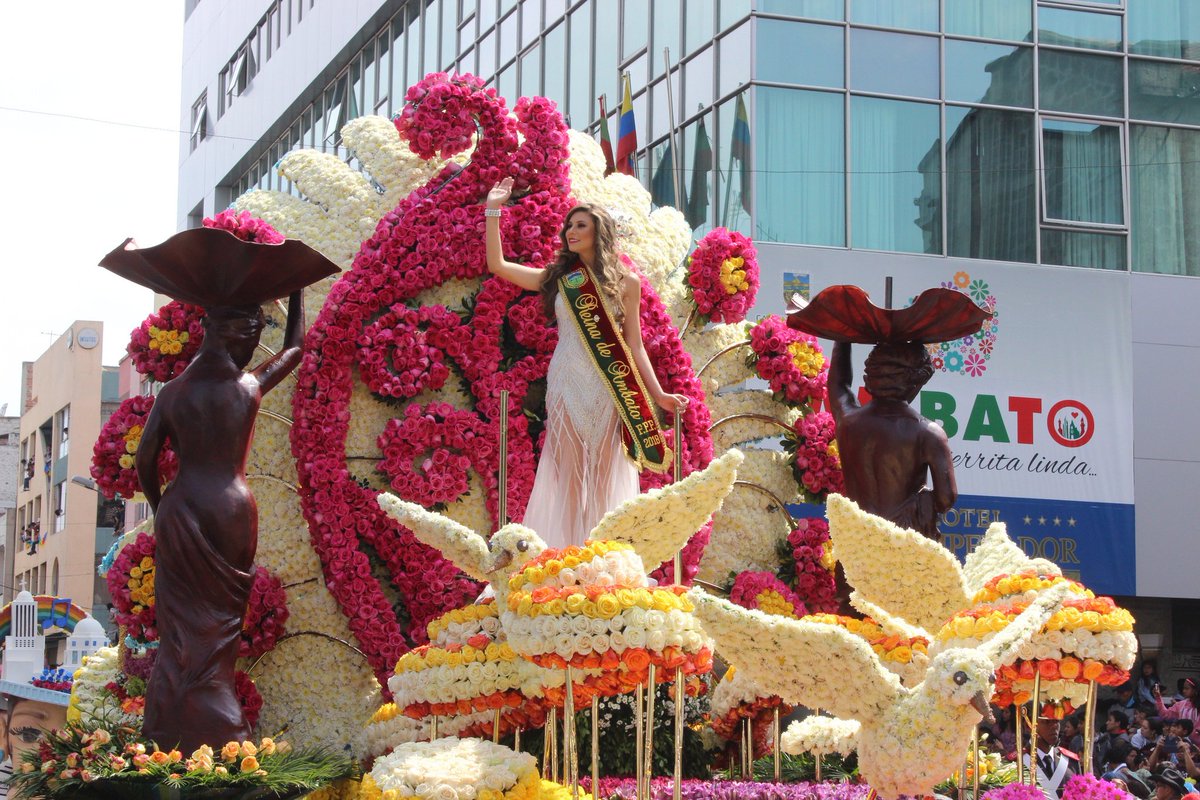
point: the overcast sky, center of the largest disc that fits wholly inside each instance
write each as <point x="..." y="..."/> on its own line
<point x="89" y="119"/>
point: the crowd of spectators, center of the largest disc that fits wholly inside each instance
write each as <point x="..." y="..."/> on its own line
<point x="1147" y="742"/>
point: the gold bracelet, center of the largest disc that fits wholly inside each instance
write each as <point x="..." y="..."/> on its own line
<point x="493" y="212"/>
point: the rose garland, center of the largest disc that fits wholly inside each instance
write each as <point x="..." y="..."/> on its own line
<point x="248" y="696"/>
<point x="167" y="340"/>
<point x="113" y="454"/>
<point x="266" y="615"/>
<point x="723" y="275"/>
<point x="814" y="456"/>
<point x="435" y="235"/>
<point x="764" y="591"/>
<point x="807" y="563"/>
<point x="791" y="361"/>
<point x="131" y="585"/>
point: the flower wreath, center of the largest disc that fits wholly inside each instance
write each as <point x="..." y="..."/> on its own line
<point x="113" y="453"/>
<point x="434" y="235"/>
<point x="807" y="565"/>
<point x="791" y="361"/>
<point x="816" y="464"/>
<point x="723" y="275"/>
<point x="131" y="585"/>
<point x="167" y="340"/>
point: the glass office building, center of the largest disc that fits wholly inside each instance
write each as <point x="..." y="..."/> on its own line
<point x="933" y="137"/>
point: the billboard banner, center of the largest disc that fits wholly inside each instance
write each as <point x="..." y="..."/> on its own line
<point x="1038" y="406"/>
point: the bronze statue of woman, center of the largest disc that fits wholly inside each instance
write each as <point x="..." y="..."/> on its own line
<point x="206" y="521"/>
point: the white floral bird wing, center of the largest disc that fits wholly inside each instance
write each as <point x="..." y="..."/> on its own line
<point x="456" y="542"/>
<point x="659" y="523"/>
<point x="901" y="571"/>
<point x="809" y="663"/>
<point x="997" y="554"/>
<point x="1002" y="647"/>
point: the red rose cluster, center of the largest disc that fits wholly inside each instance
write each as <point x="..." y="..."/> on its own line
<point x="113" y="453"/>
<point x="167" y="340"/>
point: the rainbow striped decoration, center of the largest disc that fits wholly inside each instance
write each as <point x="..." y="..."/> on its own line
<point x="52" y="611"/>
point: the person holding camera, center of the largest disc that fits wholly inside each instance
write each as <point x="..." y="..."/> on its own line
<point x="1174" y="748"/>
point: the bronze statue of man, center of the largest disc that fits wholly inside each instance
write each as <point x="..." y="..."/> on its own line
<point x="206" y="521"/>
<point x="889" y="451"/>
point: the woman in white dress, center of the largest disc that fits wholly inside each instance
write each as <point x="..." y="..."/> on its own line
<point x="583" y="471"/>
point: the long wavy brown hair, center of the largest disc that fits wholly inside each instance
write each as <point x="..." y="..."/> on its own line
<point x="607" y="269"/>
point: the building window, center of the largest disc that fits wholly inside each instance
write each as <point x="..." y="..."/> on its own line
<point x="64" y="423"/>
<point x="199" y="121"/>
<point x="1164" y="188"/>
<point x="60" y="506"/>
<point x="1081" y="169"/>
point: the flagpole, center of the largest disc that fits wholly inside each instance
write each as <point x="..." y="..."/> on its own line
<point x="675" y="173"/>
<point x="728" y="188"/>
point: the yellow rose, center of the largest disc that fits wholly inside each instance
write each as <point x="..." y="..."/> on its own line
<point x="249" y="764"/>
<point x="230" y="751"/>
<point x="555" y="607"/>
<point x="964" y="627"/>
<point x="626" y="597"/>
<point x="553" y="567"/>
<point x="607" y="606"/>
<point x="575" y="603"/>
<point x="571" y="562"/>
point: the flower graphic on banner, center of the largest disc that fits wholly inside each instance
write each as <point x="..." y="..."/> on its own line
<point x="970" y="354"/>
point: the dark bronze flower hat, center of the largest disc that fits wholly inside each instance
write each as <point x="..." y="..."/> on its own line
<point x="210" y="267"/>
<point x="845" y="313"/>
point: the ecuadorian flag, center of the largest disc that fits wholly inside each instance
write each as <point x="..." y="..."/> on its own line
<point x="626" y="133"/>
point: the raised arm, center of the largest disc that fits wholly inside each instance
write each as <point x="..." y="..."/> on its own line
<point x="274" y="369"/>
<point x="528" y="278"/>
<point x="841" y="382"/>
<point x="631" y="330"/>
<point x="145" y="461"/>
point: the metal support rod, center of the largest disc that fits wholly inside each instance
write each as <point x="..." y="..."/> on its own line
<point x="496" y="726"/>
<point x="433" y="727"/>
<point x="1089" y="728"/>
<point x="639" y="724"/>
<point x="775" y="734"/>
<point x="680" y="689"/>
<point x="517" y="738"/>
<point x="648" y="762"/>
<point x="676" y="174"/>
<point x="502" y="499"/>
<point x="595" y="743"/>
<point x="962" y="775"/>
<point x="1033" y="724"/>
<point x="975" y="760"/>
<point x="747" y="747"/>
<point x="817" y="758"/>
<point x="1020" y="744"/>
<point x="570" y="765"/>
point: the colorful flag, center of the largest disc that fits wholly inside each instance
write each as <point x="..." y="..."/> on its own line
<point x="702" y="164"/>
<point x="740" y="149"/>
<point x="626" y="133"/>
<point x="610" y="165"/>
<point x="662" y="186"/>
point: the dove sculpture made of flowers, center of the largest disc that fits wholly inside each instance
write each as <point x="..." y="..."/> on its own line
<point x="910" y="738"/>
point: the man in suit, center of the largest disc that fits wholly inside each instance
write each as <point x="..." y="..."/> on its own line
<point x="1053" y="766"/>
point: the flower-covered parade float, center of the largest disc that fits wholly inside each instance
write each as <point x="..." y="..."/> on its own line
<point x="377" y="473"/>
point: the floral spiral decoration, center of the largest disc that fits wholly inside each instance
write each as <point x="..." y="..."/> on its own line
<point x="131" y="585"/>
<point x="266" y="615"/>
<point x="499" y="341"/>
<point x="791" y="361"/>
<point x="816" y="464"/>
<point x="113" y="454"/>
<point x="167" y="340"/>
<point x="723" y="275"/>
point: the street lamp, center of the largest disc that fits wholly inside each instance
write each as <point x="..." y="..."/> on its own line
<point x="86" y="483"/>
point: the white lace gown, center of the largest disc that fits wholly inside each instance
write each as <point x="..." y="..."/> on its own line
<point x="583" y="472"/>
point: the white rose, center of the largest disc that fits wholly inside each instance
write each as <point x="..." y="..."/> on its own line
<point x="583" y="645"/>
<point x="655" y="620"/>
<point x="617" y="641"/>
<point x="564" y="646"/>
<point x="601" y="642"/>
<point x="634" y="617"/>
<point x="580" y="624"/>
<point x="598" y="626"/>
<point x="635" y="637"/>
<point x="443" y="791"/>
<point x="656" y="640"/>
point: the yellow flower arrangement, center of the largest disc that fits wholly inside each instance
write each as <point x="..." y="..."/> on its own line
<point x="168" y="343"/>
<point x="470" y="615"/>
<point x="733" y="275"/>
<point x="807" y="358"/>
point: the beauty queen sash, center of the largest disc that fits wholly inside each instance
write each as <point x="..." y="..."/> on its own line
<point x="644" y="441"/>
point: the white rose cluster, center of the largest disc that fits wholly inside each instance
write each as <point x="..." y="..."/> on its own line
<point x="456" y="769"/>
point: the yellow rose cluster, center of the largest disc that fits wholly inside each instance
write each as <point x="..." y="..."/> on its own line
<point x="133" y="438"/>
<point x="141" y="585"/>
<point x="587" y="602"/>
<point x="169" y="343"/>
<point x="807" y="358"/>
<point x="553" y="562"/>
<point x="733" y="275"/>
<point x="1007" y="585"/>
<point x="423" y="658"/>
